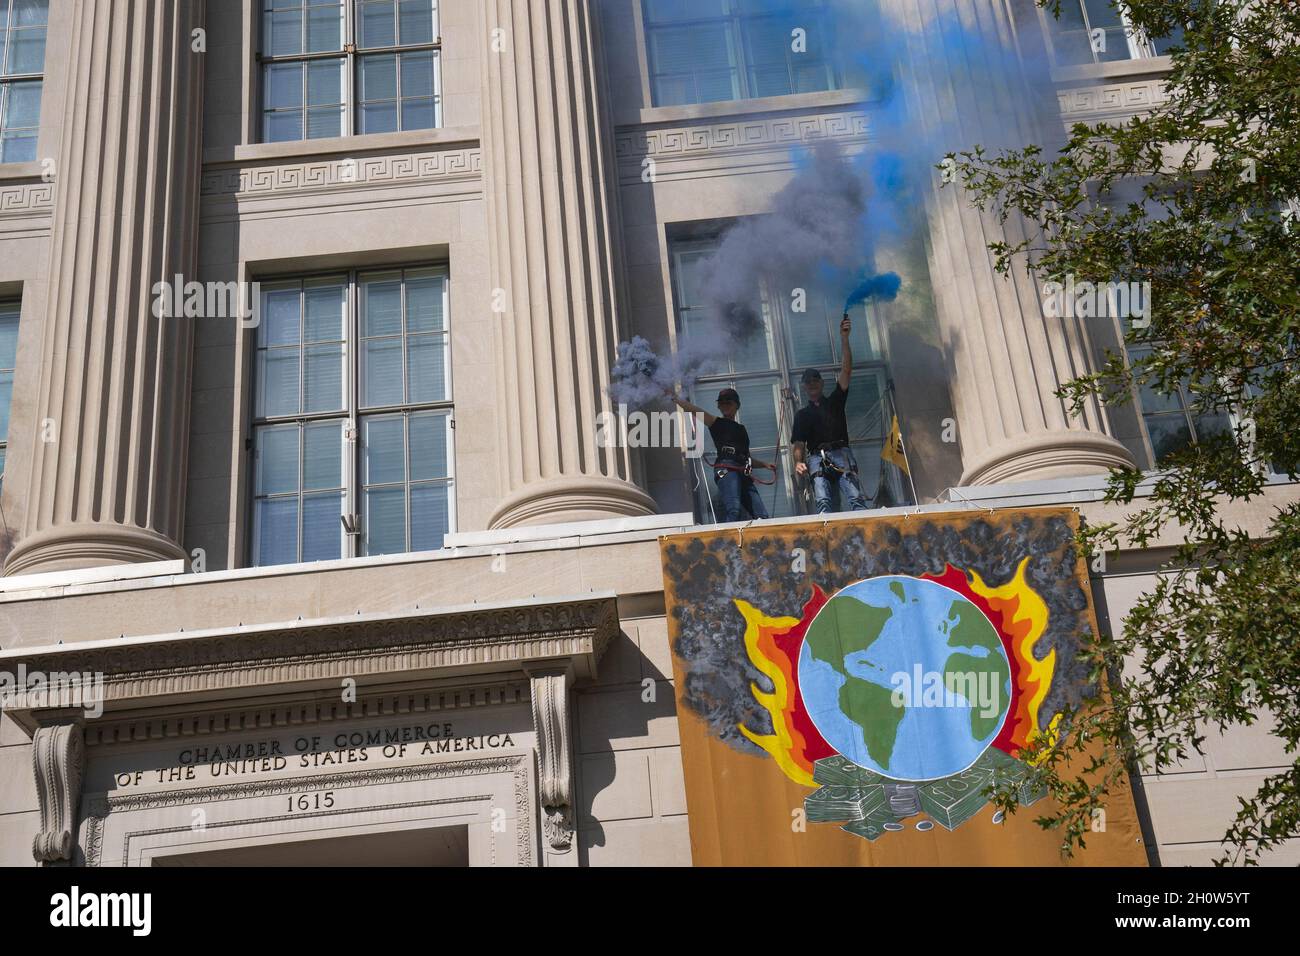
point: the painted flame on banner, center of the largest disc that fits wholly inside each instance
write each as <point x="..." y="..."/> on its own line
<point x="1020" y="617"/>
<point x="773" y="646"/>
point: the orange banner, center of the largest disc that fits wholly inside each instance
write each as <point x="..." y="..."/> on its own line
<point x="850" y="692"/>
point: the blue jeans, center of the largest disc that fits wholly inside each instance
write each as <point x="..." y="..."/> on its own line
<point x="849" y="488"/>
<point x="736" y="491"/>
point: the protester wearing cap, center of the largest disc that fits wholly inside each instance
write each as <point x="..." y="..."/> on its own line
<point x="731" y="470"/>
<point x="820" y="436"/>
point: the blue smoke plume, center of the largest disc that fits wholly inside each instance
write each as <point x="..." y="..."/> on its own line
<point x="884" y="286"/>
<point x="842" y="203"/>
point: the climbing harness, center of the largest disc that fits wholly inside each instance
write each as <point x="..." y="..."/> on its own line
<point x="747" y="469"/>
<point x="829" y="470"/>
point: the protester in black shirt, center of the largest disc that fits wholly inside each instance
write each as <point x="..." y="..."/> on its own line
<point x="820" y="436"/>
<point x="731" y="471"/>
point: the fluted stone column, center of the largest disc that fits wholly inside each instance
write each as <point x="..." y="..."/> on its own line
<point x="551" y="228"/>
<point x="112" y="414"/>
<point x="1007" y="358"/>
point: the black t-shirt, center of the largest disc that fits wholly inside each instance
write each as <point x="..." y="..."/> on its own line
<point x="823" y="423"/>
<point x="730" y="438"/>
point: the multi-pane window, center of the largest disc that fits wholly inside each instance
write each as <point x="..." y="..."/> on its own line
<point x="1173" y="420"/>
<point x="8" y="362"/>
<point x="765" y="371"/>
<point x="702" y="51"/>
<point x="1096" y="31"/>
<point x="22" y="64"/>
<point x="352" y="433"/>
<point x="335" y="67"/>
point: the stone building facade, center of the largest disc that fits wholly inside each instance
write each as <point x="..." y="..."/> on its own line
<point x="361" y="581"/>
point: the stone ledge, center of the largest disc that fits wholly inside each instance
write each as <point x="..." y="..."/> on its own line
<point x="743" y="109"/>
<point x="312" y="148"/>
<point x="122" y="572"/>
<point x="509" y="639"/>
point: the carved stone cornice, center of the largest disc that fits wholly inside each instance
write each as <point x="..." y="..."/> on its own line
<point x="58" y="758"/>
<point x="229" y="663"/>
<point x="551" y="722"/>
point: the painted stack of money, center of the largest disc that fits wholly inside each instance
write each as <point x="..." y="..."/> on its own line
<point x="1008" y="770"/>
<point x="836" y="804"/>
<point x="874" y="825"/>
<point x="954" y="800"/>
<point x="849" y="793"/>
<point x="872" y="804"/>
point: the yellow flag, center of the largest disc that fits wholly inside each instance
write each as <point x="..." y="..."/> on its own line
<point x="893" y="450"/>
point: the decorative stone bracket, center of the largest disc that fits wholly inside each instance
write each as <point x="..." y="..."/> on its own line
<point x="58" y="753"/>
<point x="555" y="773"/>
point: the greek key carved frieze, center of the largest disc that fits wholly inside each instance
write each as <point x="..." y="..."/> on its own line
<point x="632" y="145"/>
<point x="27" y="198"/>
<point x="1118" y="98"/>
<point x="344" y="172"/>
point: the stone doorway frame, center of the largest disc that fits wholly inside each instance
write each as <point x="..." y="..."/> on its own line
<point x="507" y="777"/>
<point x="158" y="686"/>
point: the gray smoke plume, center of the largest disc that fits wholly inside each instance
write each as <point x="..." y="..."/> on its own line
<point x="640" y="376"/>
<point x="814" y="237"/>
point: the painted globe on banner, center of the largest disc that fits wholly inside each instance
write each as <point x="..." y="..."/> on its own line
<point x="905" y="677"/>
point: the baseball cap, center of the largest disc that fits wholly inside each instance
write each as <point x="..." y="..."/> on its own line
<point x="729" y="393"/>
<point x="811" y="375"/>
